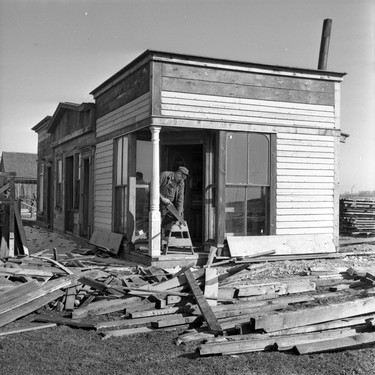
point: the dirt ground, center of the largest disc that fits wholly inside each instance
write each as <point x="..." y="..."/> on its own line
<point x="64" y="350"/>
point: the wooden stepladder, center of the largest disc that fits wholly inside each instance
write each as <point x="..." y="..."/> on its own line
<point x="179" y="235"/>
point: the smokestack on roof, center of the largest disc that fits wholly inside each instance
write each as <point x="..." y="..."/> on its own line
<point x="324" y="44"/>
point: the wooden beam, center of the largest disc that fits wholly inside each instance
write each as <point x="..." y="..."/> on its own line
<point x="205" y="308"/>
<point x="29" y="307"/>
<point x="27" y="329"/>
<point x="279" y="321"/>
<point x="351" y="342"/>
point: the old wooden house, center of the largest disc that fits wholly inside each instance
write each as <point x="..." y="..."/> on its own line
<point x="24" y="165"/>
<point x="65" y="169"/>
<point x="261" y="143"/>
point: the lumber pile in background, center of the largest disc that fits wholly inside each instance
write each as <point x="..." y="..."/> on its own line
<point x="357" y="217"/>
<point x="225" y="311"/>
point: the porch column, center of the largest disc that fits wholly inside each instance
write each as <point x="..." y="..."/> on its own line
<point x="154" y="237"/>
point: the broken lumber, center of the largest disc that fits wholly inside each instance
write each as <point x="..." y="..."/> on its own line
<point x="27" y="329"/>
<point x="29" y="307"/>
<point x="259" y="342"/>
<point x="205" y="308"/>
<point x="284" y="320"/>
<point x="65" y="321"/>
<point x="351" y="342"/>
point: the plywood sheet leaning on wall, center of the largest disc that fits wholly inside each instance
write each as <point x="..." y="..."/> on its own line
<point x="243" y="246"/>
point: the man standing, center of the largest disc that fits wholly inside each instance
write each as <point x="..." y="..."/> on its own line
<point x="172" y="186"/>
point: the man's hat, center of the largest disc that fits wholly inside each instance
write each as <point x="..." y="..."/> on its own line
<point x="183" y="170"/>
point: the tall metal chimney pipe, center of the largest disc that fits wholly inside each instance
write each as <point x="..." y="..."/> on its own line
<point x="324" y="44"/>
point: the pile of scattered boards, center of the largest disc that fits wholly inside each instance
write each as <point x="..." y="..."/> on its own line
<point x="224" y="312"/>
<point x="357" y="217"/>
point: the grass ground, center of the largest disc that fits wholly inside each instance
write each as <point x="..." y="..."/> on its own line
<point x="64" y="350"/>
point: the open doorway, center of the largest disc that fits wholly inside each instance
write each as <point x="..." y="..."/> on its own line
<point x="190" y="156"/>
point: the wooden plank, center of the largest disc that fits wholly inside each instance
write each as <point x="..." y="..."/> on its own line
<point x="29" y="307"/>
<point x="40" y="291"/>
<point x="341" y="323"/>
<point x="243" y="246"/>
<point x="106" y="240"/>
<point x="27" y="329"/>
<point x="279" y="321"/>
<point x="126" y="332"/>
<point x="18" y="291"/>
<point x="248" y="92"/>
<point x="207" y="73"/>
<point x="211" y="286"/>
<point x="130" y="323"/>
<point x="105" y="307"/>
<point x="352" y="342"/>
<point x="143" y="314"/>
<point x="260" y="342"/>
<point x="70" y="296"/>
<point x="205" y="308"/>
<point x="4" y="188"/>
<point x="65" y="321"/>
<point x="175" y="321"/>
<point x="234" y="111"/>
<point x="56" y="263"/>
<point x="177" y="280"/>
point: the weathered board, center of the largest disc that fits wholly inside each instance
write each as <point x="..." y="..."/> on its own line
<point x="106" y="240"/>
<point x="243" y="246"/>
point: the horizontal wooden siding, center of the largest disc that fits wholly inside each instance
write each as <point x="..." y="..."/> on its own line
<point x="305" y="184"/>
<point x="103" y="185"/>
<point x="267" y="112"/>
<point x="126" y="115"/>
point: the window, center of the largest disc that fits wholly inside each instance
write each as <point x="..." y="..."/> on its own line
<point x="59" y="183"/>
<point x="247" y="184"/>
<point x="121" y="188"/>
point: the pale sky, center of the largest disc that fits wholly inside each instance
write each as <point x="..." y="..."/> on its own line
<point x="59" y="50"/>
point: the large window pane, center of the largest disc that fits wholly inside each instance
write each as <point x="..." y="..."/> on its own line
<point x="120" y="209"/>
<point x="125" y="161"/>
<point x="235" y="210"/>
<point x="257" y="199"/>
<point x="247" y="184"/>
<point x="237" y="158"/>
<point x="258" y="165"/>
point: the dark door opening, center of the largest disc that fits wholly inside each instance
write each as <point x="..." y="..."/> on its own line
<point x="49" y="197"/>
<point x="190" y="156"/>
<point x="69" y="197"/>
<point x="85" y="197"/>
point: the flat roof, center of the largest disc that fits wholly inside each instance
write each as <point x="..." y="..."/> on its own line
<point x="150" y="55"/>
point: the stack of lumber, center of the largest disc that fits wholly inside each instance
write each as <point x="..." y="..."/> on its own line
<point x="357" y="217"/>
<point x="229" y="311"/>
